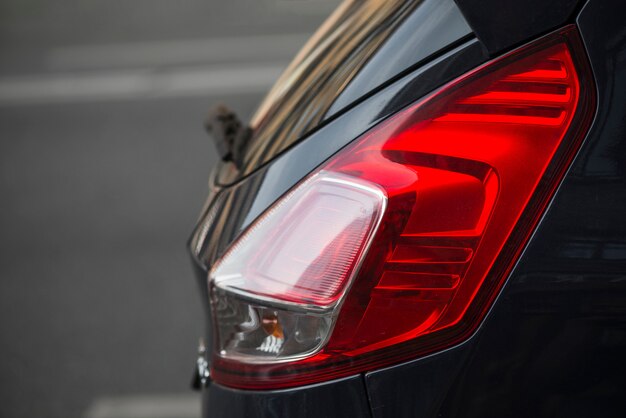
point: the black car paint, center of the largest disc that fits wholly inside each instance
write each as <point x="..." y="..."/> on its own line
<point x="553" y="343"/>
<point x="342" y="398"/>
<point x="502" y="24"/>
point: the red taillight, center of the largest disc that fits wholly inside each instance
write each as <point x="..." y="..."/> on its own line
<point x="397" y="246"/>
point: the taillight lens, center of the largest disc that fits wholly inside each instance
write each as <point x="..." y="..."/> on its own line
<point x="397" y="246"/>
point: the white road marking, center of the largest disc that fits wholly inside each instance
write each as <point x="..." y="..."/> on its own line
<point x="307" y="7"/>
<point x="139" y="83"/>
<point x="149" y="406"/>
<point x="164" y="53"/>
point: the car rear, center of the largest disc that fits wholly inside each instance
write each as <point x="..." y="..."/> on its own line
<point x="425" y="218"/>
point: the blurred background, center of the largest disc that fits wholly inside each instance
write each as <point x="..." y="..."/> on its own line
<point x="103" y="170"/>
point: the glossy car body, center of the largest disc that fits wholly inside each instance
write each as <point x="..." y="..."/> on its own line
<point x="553" y="343"/>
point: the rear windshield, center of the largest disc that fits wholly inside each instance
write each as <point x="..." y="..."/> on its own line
<point x="319" y="73"/>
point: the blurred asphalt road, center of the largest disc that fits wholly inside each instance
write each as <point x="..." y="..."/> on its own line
<point x="103" y="168"/>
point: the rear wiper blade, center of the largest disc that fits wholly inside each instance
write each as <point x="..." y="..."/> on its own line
<point x="229" y="134"/>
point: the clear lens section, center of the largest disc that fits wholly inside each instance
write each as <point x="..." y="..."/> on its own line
<point x="306" y="248"/>
<point x="259" y="333"/>
<point x="295" y="263"/>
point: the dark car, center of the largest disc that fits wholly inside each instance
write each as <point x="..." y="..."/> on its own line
<point x="426" y="217"/>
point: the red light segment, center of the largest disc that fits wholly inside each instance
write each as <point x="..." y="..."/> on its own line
<point x="540" y="95"/>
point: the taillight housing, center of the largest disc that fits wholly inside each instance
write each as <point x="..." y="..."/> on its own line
<point x="397" y="246"/>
